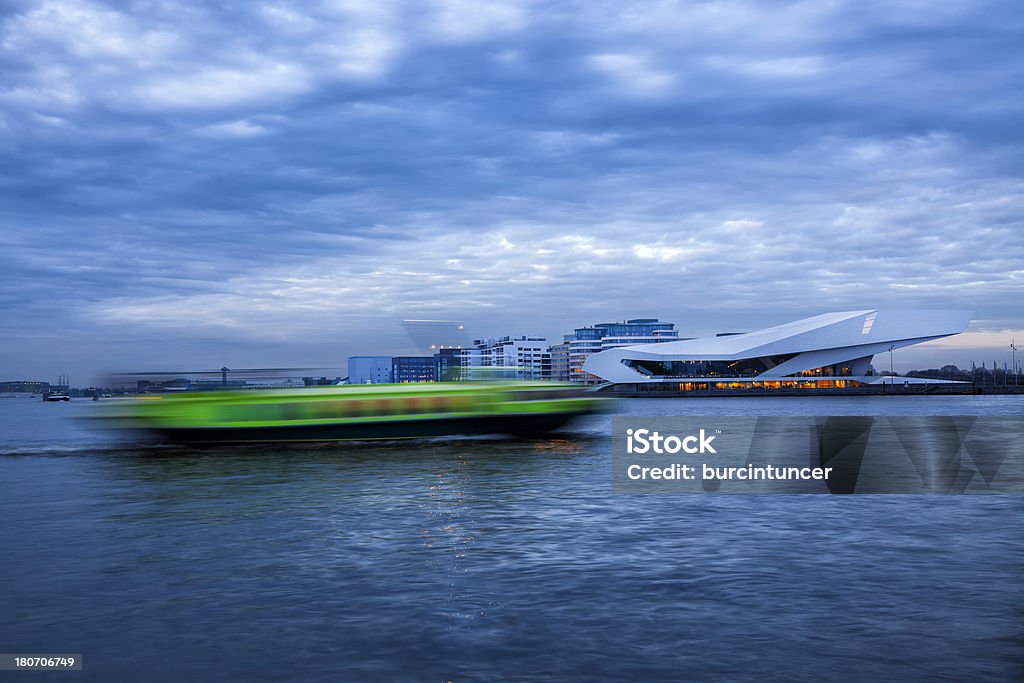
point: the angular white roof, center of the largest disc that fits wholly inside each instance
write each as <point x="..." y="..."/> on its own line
<point x="819" y="340"/>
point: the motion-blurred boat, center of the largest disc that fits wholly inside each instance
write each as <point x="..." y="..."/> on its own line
<point x="356" y="412"/>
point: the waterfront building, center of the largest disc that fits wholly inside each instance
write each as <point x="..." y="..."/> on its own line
<point x="560" y="362"/>
<point x="370" y="370"/>
<point x="519" y="357"/>
<point x="406" y="369"/>
<point x="26" y="386"/>
<point x="568" y="358"/>
<point x="829" y="351"/>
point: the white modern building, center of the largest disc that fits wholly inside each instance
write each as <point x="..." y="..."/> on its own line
<point x="370" y="370"/>
<point x="520" y="357"/>
<point x="829" y="351"/>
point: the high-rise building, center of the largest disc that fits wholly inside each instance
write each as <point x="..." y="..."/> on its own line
<point x="585" y="341"/>
<point x="520" y="357"/>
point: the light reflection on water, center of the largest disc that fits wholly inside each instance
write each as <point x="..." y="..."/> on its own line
<point x="487" y="559"/>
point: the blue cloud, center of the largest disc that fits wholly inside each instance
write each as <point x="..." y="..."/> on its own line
<point x="264" y="180"/>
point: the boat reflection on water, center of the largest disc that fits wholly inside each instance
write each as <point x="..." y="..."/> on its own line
<point x="558" y="445"/>
<point x="354" y="412"/>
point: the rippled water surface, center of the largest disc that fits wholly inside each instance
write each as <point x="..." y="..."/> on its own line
<point x="489" y="560"/>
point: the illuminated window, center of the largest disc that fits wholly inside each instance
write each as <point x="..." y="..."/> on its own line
<point x="868" y="322"/>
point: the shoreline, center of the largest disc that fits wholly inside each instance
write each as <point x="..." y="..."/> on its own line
<point x="657" y="391"/>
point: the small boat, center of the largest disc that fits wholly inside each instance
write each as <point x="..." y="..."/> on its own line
<point x="357" y="412"/>
<point x="56" y="396"/>
<point x="60" y="394"/>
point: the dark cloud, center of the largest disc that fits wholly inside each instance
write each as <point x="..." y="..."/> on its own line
<point x="237" y="179"/>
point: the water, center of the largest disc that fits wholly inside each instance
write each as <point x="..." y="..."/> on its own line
<point x="489" y="560"/>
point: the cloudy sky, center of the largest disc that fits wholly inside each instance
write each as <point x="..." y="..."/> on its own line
<point x="268" y="183"/>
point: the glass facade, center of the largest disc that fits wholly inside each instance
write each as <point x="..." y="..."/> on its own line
<point x="412" y="369"/>
<point x="736" y="386"/>
<point x="746" y="367"/>
<point x="767" y="385"/>
<point x="844" y="369"/>
<point x="743" y="368"/>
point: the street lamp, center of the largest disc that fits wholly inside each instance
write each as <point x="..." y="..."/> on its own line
<point x="891" y="372"/>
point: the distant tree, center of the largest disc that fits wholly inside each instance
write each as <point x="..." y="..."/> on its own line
<point x="945" y="372"/>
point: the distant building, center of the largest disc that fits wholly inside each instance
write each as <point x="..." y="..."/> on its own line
<point x="412" y="369"/>
<point x="214" y="384"/>
<point x="370" y="370"/>
<point x="567" y="359"/>
<point x="521" y="357"/>
<point x="26" y="386"/>
<point x="560" y="362"/>
<point x="448" y="364"/>
<point x="290" y="383"/>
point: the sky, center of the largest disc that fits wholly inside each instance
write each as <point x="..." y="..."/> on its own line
<point x="189" y="185"/>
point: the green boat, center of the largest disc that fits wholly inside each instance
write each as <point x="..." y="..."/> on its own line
<point x="356" y="412"/>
